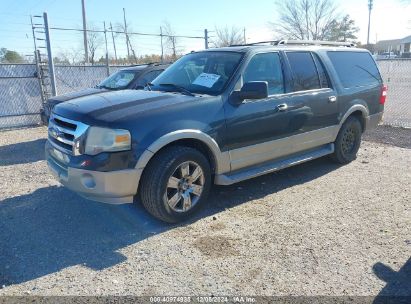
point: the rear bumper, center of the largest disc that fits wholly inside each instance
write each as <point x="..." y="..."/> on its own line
<point x="372" y="121"/>
<point x="116" y="187"/>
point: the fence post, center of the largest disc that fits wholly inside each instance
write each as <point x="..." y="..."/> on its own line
<point x="50" y="56"/>
<point x="107" y="61"/>
<point x="162" y="46"/>
<point x="206" y="38"/>
<point x="37" y="60"/>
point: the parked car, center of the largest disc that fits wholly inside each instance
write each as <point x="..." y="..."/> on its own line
<point x="386" y="55"/>
<point x="218" y="116"/>
<point x="134" y="77"/>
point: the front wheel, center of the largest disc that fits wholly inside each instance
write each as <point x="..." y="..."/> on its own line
<point x="348" y="141"/>
<point x="176" y="184"/>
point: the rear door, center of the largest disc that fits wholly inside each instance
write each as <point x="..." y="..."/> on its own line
<point x="312" y="91"/>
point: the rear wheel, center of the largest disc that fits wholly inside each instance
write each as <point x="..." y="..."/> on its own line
<point x="348" y="141"/>
<point x="176" y="184"/>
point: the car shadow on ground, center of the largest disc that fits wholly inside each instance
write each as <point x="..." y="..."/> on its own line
<point x="52" y="228"/>
<point x="398" y="283"/>
<point x="22" y="153"/>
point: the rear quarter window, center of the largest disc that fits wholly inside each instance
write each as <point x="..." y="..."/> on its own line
<point x="355" y="69"/>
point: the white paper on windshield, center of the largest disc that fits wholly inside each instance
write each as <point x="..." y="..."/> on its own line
<point x="206" y="80"/>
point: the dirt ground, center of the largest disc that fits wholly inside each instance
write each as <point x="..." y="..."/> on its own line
<point x="314" y="229"/>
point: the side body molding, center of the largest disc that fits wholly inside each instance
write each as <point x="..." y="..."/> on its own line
<point x="222" y="159"/>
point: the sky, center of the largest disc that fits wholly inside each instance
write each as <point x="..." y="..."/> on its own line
<point x="390" y="20"/>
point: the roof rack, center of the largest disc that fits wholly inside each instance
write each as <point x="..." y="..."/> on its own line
<point x="300" y="42"/>
<point x="149" y="64"/>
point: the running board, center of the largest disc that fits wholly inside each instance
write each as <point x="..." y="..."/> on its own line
<point x="244" y="174"/>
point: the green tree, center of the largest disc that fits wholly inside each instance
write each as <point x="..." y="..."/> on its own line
<point x="7" y="56"/>
<point x="342" y="30"/>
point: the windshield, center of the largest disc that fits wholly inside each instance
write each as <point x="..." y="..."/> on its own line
<point x="202" y="73"/>
<point x="118" y="81"/>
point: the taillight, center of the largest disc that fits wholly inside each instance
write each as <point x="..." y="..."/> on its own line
<point x="383" y="96"/>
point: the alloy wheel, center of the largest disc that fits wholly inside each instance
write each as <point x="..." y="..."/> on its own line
<point x="185" y="186"/>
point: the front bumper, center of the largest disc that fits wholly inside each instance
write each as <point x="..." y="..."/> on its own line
<point x="115" y="187"/>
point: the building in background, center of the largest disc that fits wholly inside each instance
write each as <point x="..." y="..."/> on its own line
<point x="394" y="47"/>
<point x="405" y="45"/>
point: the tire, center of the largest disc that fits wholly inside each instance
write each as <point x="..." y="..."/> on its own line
<point x="348" y="141"/>
<point x="171" y="204"/>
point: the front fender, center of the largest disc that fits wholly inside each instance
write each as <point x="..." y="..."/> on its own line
<point x="222" y="159"/>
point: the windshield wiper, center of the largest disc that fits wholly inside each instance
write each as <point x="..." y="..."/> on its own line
<point x="178" y="88"/>
<point x="103" y="87"/>
<point x="149" y="85"/>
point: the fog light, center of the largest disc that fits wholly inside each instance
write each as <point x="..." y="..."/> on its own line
<point x="88" y="181"/>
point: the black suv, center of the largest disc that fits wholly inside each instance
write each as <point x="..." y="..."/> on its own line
<point x="133" y="77"/>
<point x="218" y="116"/>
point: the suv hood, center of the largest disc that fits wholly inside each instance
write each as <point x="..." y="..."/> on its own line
<point x="105" y="108"/>
<point x="65" y="97"/>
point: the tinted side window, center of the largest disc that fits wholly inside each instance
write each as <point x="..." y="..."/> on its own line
<point x="325" y="82"/>
<point x="355" y="69"/>
<point x="266" y="67"/>
<point x="304" y="71"/>
<point x="149" y="77"/>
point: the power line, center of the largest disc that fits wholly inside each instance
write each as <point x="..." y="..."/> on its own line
<point x="120" y="32"/>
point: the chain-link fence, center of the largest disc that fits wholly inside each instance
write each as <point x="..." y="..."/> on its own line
<point x="397" y="75"/>
<point x="74" y="78"/>
<point x="20" y="95"/>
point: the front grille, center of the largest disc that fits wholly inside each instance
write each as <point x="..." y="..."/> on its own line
<point x="64" y="133"/>
<point x="65" y="124"/>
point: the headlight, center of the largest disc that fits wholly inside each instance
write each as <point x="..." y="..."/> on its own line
<point x="106" y="140"/>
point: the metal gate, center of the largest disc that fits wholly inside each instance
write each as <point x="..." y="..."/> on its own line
<point x="20" y="95"/>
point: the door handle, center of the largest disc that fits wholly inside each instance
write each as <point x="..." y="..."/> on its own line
<point x="332" y="99"/>
<point x="282" y="107"/>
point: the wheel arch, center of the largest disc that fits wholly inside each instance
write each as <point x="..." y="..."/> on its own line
<point x="360" y="111"/>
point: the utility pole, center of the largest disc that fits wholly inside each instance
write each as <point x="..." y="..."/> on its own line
<point x="206" y="38"/>
<point x="105" y="38"/>
<point x="125" y="32"/>
<point x="370" y="6"/>
<point x="162" y="46"/>
<point x="50" y="56"/>
<point x="86" y="59"/>
<point x="114" y="42"/>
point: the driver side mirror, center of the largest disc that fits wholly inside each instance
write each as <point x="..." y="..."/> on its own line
<point x="250" y="90"/>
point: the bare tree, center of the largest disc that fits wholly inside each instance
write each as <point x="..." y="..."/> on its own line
<point x="94" y="41"/>
<point x="304" y="19"/>
<point x="226" y="36"/>
<point x="72" y="56"/>
<point x="171" y="39"/>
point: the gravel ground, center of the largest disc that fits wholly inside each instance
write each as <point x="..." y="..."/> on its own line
<point x="315" y="229"/>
